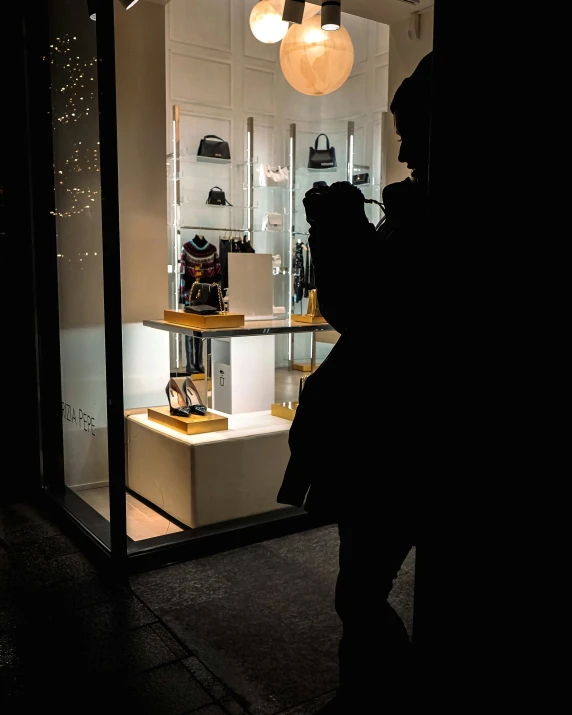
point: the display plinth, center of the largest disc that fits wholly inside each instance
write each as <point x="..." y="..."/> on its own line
<point x="303" y="366"/>
<point x="195" y="424"/>
<point x="305" y="318"/>
<point x="202" y="322"/>
<point x="286" y="410"/>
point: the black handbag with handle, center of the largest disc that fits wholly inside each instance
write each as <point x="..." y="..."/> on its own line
<point x="205" y="299"/>
<point x="322" y="158"/>
<point x="213" y="147"/>
<point x="217" y="197"/>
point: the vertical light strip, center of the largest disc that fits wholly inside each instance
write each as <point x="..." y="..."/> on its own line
<point x="176" y="227"/>
<point x="291" y="207"/>
<point x="351" y="133"/>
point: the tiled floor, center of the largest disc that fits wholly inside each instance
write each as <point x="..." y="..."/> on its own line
<point x="142" y="521"/>
<point x="247" y="632"/>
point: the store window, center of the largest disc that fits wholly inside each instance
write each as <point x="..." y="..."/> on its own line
<point x="76" y="150"/>
<point x="219" y="137"/>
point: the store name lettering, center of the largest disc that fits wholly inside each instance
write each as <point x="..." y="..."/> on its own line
<point x="78" y="417"/>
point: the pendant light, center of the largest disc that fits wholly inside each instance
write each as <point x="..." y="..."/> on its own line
<point x="310" y="8"/>
<point x="91" y="9"/>
<point x="314" y="61"/>
<point x="331" y="15"/>
<point x="266" y="23"/>
<point x="294" y="11"/>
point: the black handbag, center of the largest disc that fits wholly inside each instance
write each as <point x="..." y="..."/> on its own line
<point x="217" y="197"/>
<point x="205" y="299"/>
<point x="360" y="179"/>
<point x="213" y="147"/>
<point x="322" y="158"/>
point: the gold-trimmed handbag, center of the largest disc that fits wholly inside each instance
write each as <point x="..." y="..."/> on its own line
<point x="313" y="307"/>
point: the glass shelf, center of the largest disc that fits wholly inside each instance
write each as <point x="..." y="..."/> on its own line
<point x="312" y="172"/>
<point x="201" y="161"/>
<point x="198" y="205"/>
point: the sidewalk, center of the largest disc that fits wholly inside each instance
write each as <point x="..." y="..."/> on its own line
<point x="251" y="631"/>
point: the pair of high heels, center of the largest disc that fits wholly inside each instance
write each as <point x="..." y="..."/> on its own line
<point x="185" y="401"/>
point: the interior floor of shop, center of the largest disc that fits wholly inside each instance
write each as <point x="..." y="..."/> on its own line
<point x="142" y="521"/>
<point x="251" y="631"/>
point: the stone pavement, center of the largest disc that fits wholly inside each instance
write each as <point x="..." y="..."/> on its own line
<point x="251" y="631"/>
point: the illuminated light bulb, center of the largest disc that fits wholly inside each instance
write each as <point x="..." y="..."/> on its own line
<point x="314" y="61"/>
<point x="267" y="24"/>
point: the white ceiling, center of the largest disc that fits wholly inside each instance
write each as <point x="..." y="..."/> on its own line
<point x="387" y="11"/>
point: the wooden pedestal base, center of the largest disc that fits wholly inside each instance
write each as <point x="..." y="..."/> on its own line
<point x="195" y="424"/>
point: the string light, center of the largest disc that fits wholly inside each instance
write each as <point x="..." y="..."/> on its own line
<point x="78" y="101"/>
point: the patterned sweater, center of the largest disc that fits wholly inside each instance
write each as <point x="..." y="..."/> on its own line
<point x="197" y="260"/>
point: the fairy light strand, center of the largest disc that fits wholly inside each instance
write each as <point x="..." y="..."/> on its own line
<point x="80" y="102"/>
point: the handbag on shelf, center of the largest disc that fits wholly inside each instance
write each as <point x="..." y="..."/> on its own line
<point x="322" y="158"/>
<point x="360" y="179"/>
<point x="273" y="175"/>
<point x="217" y="197"/>
<point x="205" y="299"/>
<point x="313" y="307"/>
<point x="213" y="147"/>
<point x="273" y="222"/>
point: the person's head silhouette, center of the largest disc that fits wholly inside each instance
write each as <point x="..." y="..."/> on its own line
<point x="411" y="109"/>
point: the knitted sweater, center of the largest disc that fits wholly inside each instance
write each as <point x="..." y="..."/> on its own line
<point x="198" y="261"/>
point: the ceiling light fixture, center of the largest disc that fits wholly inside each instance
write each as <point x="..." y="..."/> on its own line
<point x="91" y="8"/>
<point x="128" y="4"/>
<point x="266" y="23"/>
<point x="310" y="9"/>
<point x="316" y="62"/>
<point x="331" y="15"/>
<point x="294" y="11"/>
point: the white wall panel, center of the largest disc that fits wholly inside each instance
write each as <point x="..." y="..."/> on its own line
<point x="205" y="23"/>
<point x="382" y="39"/>
<point x="259" y="91"/>
<point x="358" y="29"/>
<point x="349" y="100"/>
<point x="202" y="81"/>
<point x="380" y="99"/>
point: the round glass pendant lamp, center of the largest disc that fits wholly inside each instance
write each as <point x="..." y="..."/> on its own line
<point x="266" y="23"/>
<point x="314" y="61"/>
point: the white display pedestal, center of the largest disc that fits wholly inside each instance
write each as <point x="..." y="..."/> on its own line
<point x="251" y="285"/>
<point x="243" y="374"/>
<point x="205" y="479"/>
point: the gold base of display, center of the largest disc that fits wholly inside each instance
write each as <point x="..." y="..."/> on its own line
<point x="286" y="410"/>
<point x="304" y="318"/>
<point x="303" y="366"/>
<point x="195" y="424"/>
<point x="190" y="320"/>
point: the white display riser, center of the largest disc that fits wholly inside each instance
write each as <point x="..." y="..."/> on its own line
<point x="209" y="478"/>
<point x="243" y="374"/>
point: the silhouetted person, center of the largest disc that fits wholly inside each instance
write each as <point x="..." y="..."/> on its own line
<point x="348" y="448"/>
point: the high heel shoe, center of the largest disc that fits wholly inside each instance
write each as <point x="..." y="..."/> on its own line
<point x="177" y="399"/>
<point x="194" y="402"/>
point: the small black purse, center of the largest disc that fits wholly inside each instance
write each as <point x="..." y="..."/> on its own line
<point x="205" y="299"/>
<point x="217" y="197"/>
<point x="213" y="147"/>
<point x="322" y="158"/>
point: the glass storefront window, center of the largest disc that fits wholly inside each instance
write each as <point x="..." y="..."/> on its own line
<point x="76" y="147"/>
<point x="210" y="154"/>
